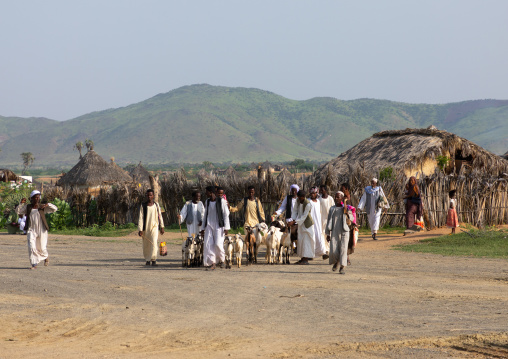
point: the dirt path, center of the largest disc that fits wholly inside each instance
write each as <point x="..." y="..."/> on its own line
<point x="98" y="300"/>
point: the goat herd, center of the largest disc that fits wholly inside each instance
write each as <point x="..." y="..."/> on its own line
<point x="276" y="238"/>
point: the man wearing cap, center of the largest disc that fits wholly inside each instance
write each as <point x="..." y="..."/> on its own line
<point x="337" y="232"/>
<point x="288" y="206"/>
<point x="36" y="227"/>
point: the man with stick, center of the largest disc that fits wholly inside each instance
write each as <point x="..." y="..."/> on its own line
<point x="150" y="222"/>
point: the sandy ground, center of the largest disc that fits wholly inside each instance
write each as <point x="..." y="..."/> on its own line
<point x="98" y="300"/>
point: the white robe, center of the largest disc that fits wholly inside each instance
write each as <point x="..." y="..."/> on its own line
<point x="192" y="228"/>
<point x="283" y="206"/>
<point x="326" y="204"/>
<point x="369" y="201"/>
<point x="306" y="242"/>
<point x="37" y="236"/>
<point x="320" y="248"/>
<point x="213" y="241"/>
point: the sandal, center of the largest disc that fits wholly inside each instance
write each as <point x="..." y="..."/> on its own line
<point x="334" y="268"/>
<point x="46" y="262"/>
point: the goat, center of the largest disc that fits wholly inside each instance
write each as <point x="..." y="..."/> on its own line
<point x="250" y="244"/>
<point x="286" y="245"/>
<point x="273" y="240"/>
<point x="238" y="249"/>
<point x="198" y="256"/>
<point x="188" y="251"/>
<point x="228" y="248"/>
<point x="260" y="232"/>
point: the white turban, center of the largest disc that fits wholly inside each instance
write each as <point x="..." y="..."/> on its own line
<point x="313" y="190"/>
<point x="34" y="192"/>
<point x="374" y="179"/>
<point x="340" y="192"/>
<point x="294" y="186"/>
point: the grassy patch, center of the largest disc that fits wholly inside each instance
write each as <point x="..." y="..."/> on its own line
<point x="488" y="242"/>
<point x="383" y="230"/>
<point x="106" y="230"/>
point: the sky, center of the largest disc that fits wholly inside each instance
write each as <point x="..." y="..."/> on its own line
<point x="64" y="59"/>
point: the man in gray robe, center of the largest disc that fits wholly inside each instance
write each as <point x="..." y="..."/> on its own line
<point x="337" y="232"/>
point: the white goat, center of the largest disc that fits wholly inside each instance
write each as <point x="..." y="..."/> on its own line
<point x="228" y="248"/>
<point x="238" y="249"/>
<point x="272" y="245"/>
<point x="260" y="232"/>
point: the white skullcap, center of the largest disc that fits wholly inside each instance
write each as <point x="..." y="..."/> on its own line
<point x="374" y="179"/>
<point x="34" y="192"/>
<point x="294" y="186"/>
<point x="340" y="192"/>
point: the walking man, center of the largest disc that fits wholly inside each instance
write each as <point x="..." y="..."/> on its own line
<point x="149" y="224"/>
<point x="36" y="227"/>
<point x="252" y="209"/>
<point x="337" y="232"/>
<point x="306" y="247"/>
<point x="215" y="226"/>
<point x="192" y="214"/>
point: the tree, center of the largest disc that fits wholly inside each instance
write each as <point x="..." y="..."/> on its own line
<point x="89" y="144"/>
<point x="79" y="146"/>
<point x="207" y="164"/>
<point x="28" y="160"/>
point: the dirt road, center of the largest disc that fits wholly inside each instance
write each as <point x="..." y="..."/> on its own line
<point x="98" y="300"/>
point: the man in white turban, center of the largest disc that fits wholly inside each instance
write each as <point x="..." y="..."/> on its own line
<point x="36" y="227"/>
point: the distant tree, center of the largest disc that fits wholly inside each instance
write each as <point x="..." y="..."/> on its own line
<point x="89" y="144"/>
<point x="207" y="164"/>
<point x="79" y="146"/>
<point x="28" y="160"/>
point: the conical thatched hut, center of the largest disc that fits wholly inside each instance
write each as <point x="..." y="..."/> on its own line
<point x="93" y="172"/>
<point x="140" y="175"/>
<point x="415" y="152"/>
<point x="505" y="156"/>
<point x="440" y="160"/>
<point x="7" y="175"/>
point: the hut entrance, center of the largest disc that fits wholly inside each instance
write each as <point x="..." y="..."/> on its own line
<point x="461" y="160"/>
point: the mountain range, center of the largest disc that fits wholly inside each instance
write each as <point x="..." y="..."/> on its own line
<point x="219" y="124"/>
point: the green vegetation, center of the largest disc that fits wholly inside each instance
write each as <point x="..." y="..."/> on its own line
<point x="106" y="230"/>
<point x="211" y="123"/>
<point x="386" y="174"/>
<point x="10" y="196"/>
<point x="442" y="162"/>
<point x="488" y="242"/>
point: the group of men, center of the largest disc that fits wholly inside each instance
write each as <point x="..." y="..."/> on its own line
<point x="318" y="230"/>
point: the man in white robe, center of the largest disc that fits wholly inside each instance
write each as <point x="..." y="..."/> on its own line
<point x="326" y="203"/>
<point x="306" y="247"/>
<point x="36" y="227"/>
<point x="337" y="233"/>
<point x="369" y="201"/>
<point x="192" y="214"/>
<point x="288" y="207"/>
<point x="150" y="223"/>
<point x="215" y="226"/>
<point x="319" y="240"/>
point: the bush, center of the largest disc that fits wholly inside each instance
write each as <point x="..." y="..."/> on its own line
<point x="62" y="218"/>
<point x="386" y="174"/>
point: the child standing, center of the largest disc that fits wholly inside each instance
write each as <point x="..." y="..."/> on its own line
<point x="452" y="220"/>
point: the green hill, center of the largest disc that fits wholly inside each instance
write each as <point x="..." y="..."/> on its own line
<point x="218" y="124"/>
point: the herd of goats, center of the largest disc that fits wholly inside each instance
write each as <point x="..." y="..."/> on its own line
<point x="277" y="238"/>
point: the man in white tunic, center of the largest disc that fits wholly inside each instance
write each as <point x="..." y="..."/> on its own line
<point x="36" y="227"/>
<point x="215" y="227"/>
<point x="320" y="249"/>
<point x="302" y="217"/>
<point x="337" y="233"/>
<point x="150" y="222"/>
<point x="326" y="203"/>
<point x="288" y="206"/>
<point x="369" y="201"/>
<point x="192" y="214"/>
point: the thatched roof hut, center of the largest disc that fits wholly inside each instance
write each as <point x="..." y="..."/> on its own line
<point x="413" y="151"/>
<point x="505" y="156"/>
<point x="7" y="175"/>
<point x="139" y="174"/>
<point x="92" y="171"/>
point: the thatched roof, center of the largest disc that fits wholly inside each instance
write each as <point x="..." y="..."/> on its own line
<point x="505" y="156"/>
<point x="412" y="151"/>
<point x="7" y="175"/>
<point x="140" y="174"/>
<point x="93" y="170"/>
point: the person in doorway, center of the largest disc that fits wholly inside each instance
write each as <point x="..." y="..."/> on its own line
<point x="452" y="220"/>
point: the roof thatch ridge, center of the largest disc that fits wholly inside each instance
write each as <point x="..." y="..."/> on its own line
<point x="140" y="174"/>
<point x="93" y="170"/>
<point x="407" y="149"/>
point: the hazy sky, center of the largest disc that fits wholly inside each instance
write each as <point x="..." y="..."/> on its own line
<point x="63" y="59"/>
